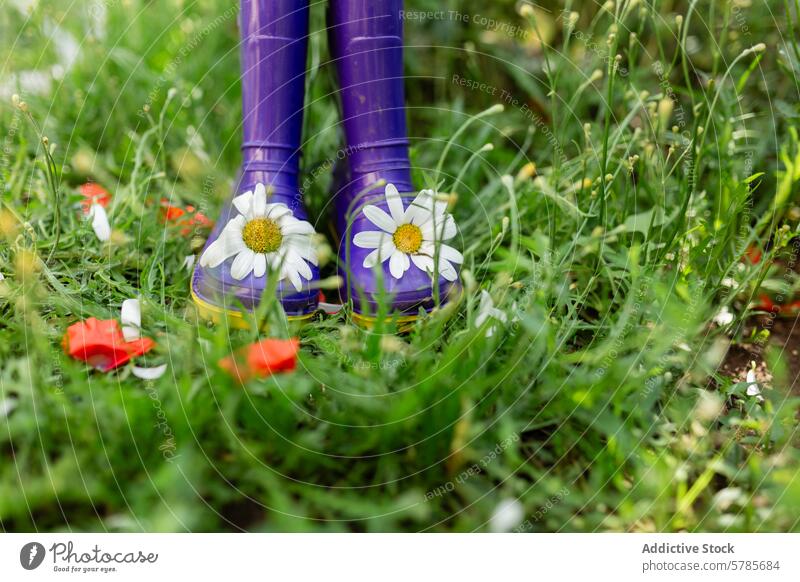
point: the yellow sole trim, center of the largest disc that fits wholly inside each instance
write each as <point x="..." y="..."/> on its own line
<point x="404" y="322"/>
<point x="235" y="318"/>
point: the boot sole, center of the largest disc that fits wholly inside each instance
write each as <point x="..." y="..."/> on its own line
<point x="216" y="314"/>
<point x="404" y="322"/>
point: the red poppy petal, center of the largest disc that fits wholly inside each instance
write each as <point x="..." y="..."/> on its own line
<point x="262" y="359"/>
<point x="94" y="193"/>
<point x="766" y="303"/>
<point x="101" y="344"/>
<point x="753" y="254"/>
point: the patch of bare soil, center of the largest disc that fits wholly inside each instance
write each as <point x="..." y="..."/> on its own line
<point x="784" y="335"/>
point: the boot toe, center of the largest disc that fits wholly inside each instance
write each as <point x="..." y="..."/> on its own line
<point x="257" y="237"/>
<point x="398" y="250"/>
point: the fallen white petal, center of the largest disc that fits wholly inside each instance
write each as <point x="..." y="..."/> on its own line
<point x="486" y="309"/>
<point x="131" y="319"/>
<point x="752" y="386"/>
<point x="724" y="317"/>
<point x="100" y="224"/>
<point x="7" y="406"/>
<point x="727" y="497"/>
<point x="330" y="308"/>
<point x="188" y="262"/>
<point x="506" y="516"/>
<point x="149" y="373"/>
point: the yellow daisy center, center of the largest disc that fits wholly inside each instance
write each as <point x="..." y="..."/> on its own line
<point x="262" y="235"/>
<point x="407" y="238"/>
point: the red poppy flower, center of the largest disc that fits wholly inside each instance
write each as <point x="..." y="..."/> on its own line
<point x="765" y="303"/>
<point x="94" y="193"/>
<point x="262" y="359"/>
<point x="791" y="308"/>
<point x="186" y="217"/>
<point x="100" y="343"/>
<point x="753" y="255"/>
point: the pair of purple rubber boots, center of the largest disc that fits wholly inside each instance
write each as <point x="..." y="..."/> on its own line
<point x="392" y="241"/>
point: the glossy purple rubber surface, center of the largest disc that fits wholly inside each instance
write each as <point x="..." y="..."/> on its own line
<point x="273" y="55"/>
<point x="367" y="47"/>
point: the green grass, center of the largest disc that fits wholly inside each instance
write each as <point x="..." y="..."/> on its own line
<point x="601" y="405"/>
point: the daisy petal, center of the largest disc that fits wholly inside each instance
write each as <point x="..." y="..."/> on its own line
<point x="297" y="227"/>
<point x="297" y="263"/>
<point x="275" y="261"/>
<point x="448" y="230"/>
<point x="381" y="254"/>
<point x="243" y="202"/>
<point x="303" y="247"/>
<point x="260" y="265"/>
<point x="417" y="215"/>
<point x="294" y="277"/>
<point x="448" y="253"/>
<point x="424" y="263"/>
<point x="260" y="201"/>
<point x="243" y="264"/>
<point x="395" y="204"/>
<point x="445" y="228"/>
<point x="371" y="259"/>
<point x="447" y="270"/>
<point x="397" y="264"/>
<point x="425" y="207"/>
<point x="369" y="239"/>
<point x="228" y="244"/>
<point x="149" y="373"/>
<point x="380" y="219"/>
<point x="277" y="210"/>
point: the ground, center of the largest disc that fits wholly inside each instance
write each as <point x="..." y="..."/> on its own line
<point x="632" y="209"/>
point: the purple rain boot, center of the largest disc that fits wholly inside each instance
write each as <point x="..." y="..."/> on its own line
<point x="263" y="230"/>
<point x="391" y="239"/>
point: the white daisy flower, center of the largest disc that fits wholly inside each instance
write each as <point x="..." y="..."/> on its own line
<point x="264" y="234"/>
<point x="486" y="309"/>
<point x="410" y="234"/>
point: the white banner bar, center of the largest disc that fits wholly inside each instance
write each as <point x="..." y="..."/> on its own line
<point x="400" y="557"/>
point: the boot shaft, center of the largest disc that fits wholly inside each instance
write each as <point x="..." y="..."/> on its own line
<point x="273" y="55"/>
<point x="367" y="47"/>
